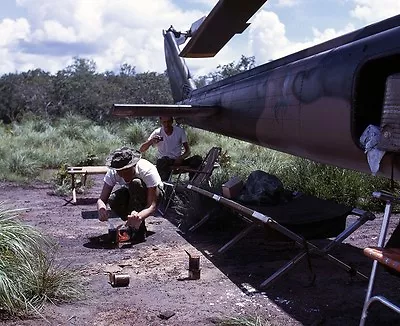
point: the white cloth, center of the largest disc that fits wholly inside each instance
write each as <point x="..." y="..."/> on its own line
<point x="370" y="139"/>
<point x="171" y="145"/>
<point x="144" y="170"/>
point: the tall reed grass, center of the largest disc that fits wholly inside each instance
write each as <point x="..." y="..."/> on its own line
<point x="29" y="273"/>
<point x="34" y="145"/>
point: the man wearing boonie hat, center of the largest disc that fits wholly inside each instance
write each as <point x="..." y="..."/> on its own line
<point x="138" y="194"/>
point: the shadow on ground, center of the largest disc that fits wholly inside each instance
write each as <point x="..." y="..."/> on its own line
<point x="315" y="291"/>
<point x="104" y="241"/>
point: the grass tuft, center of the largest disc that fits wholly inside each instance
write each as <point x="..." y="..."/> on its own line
<point x="29" y="274"/>
<point x="21" y="164"/>
<point x="244" y="321"/>
<point x="33" y="145"/>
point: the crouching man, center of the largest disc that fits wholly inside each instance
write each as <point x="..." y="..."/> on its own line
<point x="138" y="194"/>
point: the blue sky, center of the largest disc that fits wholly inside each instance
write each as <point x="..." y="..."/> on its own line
<point x="47" y="34"/>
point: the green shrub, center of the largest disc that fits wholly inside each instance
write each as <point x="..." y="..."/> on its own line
<point x="135" y="134"/>
<point x="20" y="164"/>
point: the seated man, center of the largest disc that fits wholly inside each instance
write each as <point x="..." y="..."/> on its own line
<point x="136" y="199"/>
<point x="170" y="140"/>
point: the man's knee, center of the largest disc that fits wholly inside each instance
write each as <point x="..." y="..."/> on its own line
<point x="137" y="188"/>
<point x="119" y="202"/>
<point x="137" y="184"/>
<point x="138" y="194"/>
<point x="119" y="197"/>
<point x="195" y="161"/>
<point x="163" y="166"/>
<point x="164" y="162"/>
<point x="160" y="192"/>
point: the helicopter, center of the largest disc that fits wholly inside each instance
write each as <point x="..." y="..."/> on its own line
<point x="336" y="103"/>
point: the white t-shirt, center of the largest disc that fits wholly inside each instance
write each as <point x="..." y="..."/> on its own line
<point x="144" y="170"/>
<point x="171" y="145"/>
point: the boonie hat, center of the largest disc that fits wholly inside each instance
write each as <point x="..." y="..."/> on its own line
<point x="123" y="158"/>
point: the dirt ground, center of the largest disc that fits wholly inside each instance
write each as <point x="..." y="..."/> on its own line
<point x="229" y="282"/>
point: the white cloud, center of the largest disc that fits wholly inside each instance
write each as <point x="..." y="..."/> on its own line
<point x="268" y="40"/>
<point x="125" y="31"/>
<point x="111" y="33"/>
<point x="54" y="31"/>
<point x="13" y="30"/>
<point x="329" y="33"/>
<point x="371" y="11"/>
<point x="137" y="36"/>
<point x="78" y="20"/>
<point x="209" y="3"/>
<point x="288" y="3"/>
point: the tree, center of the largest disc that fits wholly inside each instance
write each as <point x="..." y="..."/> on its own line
<point x="127" y="70"/>
<point x="225" y="71"/>
<point x="25" y="92"/>
<point x="79" y="89"/>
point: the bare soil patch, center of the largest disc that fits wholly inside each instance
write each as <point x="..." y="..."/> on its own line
<point x="229" y="283"/>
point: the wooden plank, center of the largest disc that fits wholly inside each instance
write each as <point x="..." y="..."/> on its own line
<point x="87" y="169"/>
<point x="84" y="170"/>
<point x="386" y="256"/>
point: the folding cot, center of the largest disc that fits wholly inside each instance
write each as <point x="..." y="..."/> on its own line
<point x="287" y="220"/>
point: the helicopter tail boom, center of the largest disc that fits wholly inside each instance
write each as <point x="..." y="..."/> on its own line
<point x="179" y="75"/>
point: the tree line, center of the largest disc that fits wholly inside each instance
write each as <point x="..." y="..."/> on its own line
<point x="79" y="89"/>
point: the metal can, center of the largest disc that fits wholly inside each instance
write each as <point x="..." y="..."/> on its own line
<point x="119" y="280"/>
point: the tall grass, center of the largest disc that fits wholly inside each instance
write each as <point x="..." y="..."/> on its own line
<point x="329" y="182"/>
<point x="34" y="145"/>
<point x="29" y="274"/>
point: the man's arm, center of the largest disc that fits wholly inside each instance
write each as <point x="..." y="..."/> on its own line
<point x="136" y="218"/>
<point x="145" y="146"/>
<point x="185" y="154"/>
<point x="152" y="141"/>
<point x="102" y="202"/>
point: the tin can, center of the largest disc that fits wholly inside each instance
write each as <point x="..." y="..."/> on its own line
<point x="119" y="280"/>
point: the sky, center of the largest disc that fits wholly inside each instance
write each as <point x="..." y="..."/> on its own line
<point x="49" y="34"/>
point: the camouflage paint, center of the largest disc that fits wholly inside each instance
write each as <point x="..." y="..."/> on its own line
<point x="304" y="104"/>
<point x="303" y="107"/>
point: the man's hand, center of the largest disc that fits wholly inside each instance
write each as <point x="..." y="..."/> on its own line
<point x="134" y="220"/>
<point x="103" y="214"/>
<point x="156" y="139"/>
<point x="101" y="202"/>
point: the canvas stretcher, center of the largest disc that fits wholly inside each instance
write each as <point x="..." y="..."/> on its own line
<point x="283" y="219"/>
